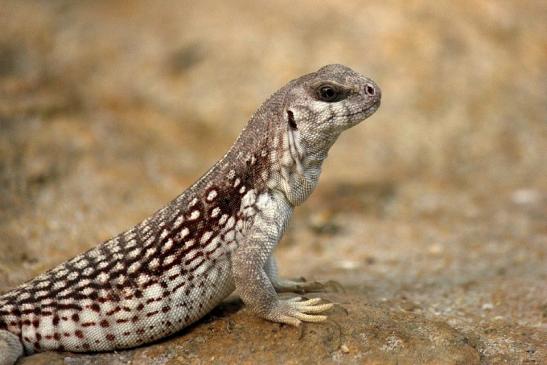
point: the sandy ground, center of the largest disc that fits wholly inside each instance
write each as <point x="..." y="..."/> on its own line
<point x="431" y="215"/>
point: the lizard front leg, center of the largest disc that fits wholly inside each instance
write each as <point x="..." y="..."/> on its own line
<point x="256" y="289"/>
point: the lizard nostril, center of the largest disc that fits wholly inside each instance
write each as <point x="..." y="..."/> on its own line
<point x="369" y="90"/>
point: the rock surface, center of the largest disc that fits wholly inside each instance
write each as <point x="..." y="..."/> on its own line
<point x="431" y="214"/>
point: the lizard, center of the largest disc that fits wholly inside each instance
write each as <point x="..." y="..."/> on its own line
<point x="215" y="238"/>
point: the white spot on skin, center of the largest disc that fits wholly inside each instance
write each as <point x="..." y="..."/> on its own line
<point x="167" y="245"/>
<point x="205" y="237"/>
<point x="43" y="284"/>
<point x="83" y="283"/>
<point x="212" y="195"/>
<point x="183" y="233"/>
<point x="194" y="215"/>
<point x="231" y="174"/>
<point x="200" y="270"/>
<point x="188" y="244"/>
<point x="87" y="291"/>
<point x="190" y="255"/>
<point x="178" y="221"/>
<point x="212" y="245"/>
<point x="58" y="285"/>
<point x="169" y="259"/>
<point x="94" y="254"/>
<point x="248" y="199"/>
<point x="215" y="212"/>
<point x="195" y="263"/>
<point x="154" y="263"/>
<point x="229" y="236"/>
<point x="120" y="279"/>
<point x="149" y="252"/>
<point x="230" y="223"/>
<point x="263" y="153"/>
<point x="142" y="278"/>
<point x="242" y="190"/>
<point x="236" y="183"/>
<point x="61" y="273"/>
<point x="65" y="292"/>
<point x="134" y="253"/>
<point x="134" y="267"/>
<point x="102" y="265"/>
<point x="174" y="270"/>
<point x="164" y="234"/>
<point x="150" y="240"/>
<point x="102" y="277"/>
<point x="23" y="296"/>
<point x="130" y="235"/>
<point x="81" y="264"/>
<point x="132" y="243"/>
<point x="193" y="202"/>
<point x="223" y="219"/>
<point x="41" y="293"/>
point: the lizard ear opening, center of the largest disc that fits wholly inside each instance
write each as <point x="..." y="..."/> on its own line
<point x="291" y="121"/>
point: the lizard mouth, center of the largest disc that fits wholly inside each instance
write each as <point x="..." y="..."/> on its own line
<point x="364" y="113"/>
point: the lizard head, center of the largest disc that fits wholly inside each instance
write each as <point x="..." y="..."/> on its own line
<point x="329" y="101"/>
<point x="319" y="106"/>
<point x="316" y="108"/>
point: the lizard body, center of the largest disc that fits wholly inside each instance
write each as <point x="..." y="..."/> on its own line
<point x="174" y="267"/>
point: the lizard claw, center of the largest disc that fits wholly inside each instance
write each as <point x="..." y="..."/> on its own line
<point x="297" y="310"/>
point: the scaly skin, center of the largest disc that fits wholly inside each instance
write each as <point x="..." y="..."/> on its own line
<point x="174" y="267"/>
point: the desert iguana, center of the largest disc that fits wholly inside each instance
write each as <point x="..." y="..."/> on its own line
<point x="177" y="265"/>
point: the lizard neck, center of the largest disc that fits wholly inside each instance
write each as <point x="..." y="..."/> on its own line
<point x="300" y="165"/>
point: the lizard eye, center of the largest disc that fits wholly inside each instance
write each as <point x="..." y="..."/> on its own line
<point x="329" y="93"/>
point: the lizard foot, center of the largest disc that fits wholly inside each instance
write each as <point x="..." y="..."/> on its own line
<point x="302" y="286"/>
<point x="297" y="310"/>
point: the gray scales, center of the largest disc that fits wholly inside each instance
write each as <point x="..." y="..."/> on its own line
<point x="216" y="237"/>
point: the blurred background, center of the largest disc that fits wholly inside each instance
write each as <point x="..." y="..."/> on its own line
<point x="109" y="109"/>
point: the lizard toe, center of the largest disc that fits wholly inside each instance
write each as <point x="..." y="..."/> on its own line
<point x="296" y="310"/>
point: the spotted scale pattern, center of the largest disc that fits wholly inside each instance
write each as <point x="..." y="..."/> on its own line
<point x="150" y="281"/>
